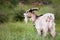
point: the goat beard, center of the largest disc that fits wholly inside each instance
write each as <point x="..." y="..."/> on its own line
<point x="26" y="19"/>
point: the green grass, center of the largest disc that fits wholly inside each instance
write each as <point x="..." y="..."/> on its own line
<point x="21" y="31"/>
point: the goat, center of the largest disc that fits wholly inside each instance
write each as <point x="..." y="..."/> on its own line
<point x="42" y="23"/>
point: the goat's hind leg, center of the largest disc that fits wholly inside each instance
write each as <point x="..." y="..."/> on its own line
<point x="45" y="32"/>
<point x="45" y="29"/>
<point x="52" y="30"/>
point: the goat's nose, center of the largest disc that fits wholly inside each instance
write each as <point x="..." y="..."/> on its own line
<point x="25" y="14"/>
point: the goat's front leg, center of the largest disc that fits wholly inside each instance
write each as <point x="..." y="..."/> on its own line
<point x="38" y="28"/>
<point x="38" y="31"/>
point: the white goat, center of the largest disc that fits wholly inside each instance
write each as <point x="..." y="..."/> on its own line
<point x="42" y="23"/>
<point x="45" y="23"/>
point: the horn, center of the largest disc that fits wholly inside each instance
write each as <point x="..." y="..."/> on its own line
<point x="33" y="9"/>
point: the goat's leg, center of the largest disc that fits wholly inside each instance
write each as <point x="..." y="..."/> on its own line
<point x="45" y="30"/>
<point x="38" y="31"/>
<point x="38" y="28"/>
<point x="52" y="31"/>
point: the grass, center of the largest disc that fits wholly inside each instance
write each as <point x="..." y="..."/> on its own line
<point x="21" y="31"/>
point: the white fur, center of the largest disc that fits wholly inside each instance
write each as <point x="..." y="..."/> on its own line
<point x="26" y="18"/>
<point x="44" y="23"/>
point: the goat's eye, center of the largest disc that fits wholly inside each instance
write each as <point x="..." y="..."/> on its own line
<point x="29" y="15"/>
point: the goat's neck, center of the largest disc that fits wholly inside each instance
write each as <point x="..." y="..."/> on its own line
<point x="33" y="17"/>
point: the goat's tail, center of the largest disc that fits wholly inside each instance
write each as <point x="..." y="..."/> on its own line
<point x="51" y="17"/>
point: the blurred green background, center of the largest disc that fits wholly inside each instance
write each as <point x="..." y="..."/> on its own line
<point x="12" y="25"/>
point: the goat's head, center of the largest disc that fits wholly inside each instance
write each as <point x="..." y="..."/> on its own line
<point x="29" y="13"/>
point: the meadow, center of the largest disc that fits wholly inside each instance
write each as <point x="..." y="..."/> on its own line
<point x="22" y="31"/>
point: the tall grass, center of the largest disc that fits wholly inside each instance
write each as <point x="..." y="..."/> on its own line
<point x="22" y="31"/>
